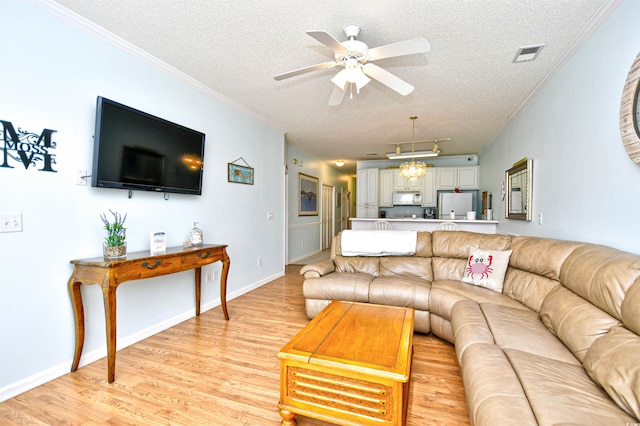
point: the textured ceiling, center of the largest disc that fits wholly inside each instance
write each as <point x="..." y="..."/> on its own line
<point x="467" y="86"/>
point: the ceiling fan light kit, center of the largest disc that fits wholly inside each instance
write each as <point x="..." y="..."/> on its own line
<point x="356" y="57"/>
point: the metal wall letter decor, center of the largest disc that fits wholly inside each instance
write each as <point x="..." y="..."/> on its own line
<point x="26" y="148"/>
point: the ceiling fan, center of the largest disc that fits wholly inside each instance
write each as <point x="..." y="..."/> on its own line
<point x="356" y="58"/>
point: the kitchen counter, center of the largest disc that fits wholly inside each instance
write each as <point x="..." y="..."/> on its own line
<point x="419" y="224"/>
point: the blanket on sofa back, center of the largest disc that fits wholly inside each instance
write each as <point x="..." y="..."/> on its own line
<point x="378" y="243"/>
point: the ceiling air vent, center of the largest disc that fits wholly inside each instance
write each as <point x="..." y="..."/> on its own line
<point x="528" y="53"/>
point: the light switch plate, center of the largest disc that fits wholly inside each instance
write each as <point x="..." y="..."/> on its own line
<point x="10" y="222"/>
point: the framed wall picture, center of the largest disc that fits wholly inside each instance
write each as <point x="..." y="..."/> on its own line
<point x="307" y="195"/>
<point x="240" y="174"/>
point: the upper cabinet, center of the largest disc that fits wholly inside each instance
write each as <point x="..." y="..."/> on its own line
<point x="402" y="184"/>
<point x="386" y="181"/>
<point x="428" y="190"/>
<point x="450" y="178"/>
<point x="367" y="193"/>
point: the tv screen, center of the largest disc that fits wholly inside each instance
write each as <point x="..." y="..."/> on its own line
<point x="135" y="150"/>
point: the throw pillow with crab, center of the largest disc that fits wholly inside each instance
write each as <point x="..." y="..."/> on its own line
<point x="486" y="268"/>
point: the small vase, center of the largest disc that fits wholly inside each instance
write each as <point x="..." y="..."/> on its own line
<point x="114" y="252"/>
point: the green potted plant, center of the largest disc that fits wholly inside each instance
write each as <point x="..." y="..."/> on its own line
<point x="115" y="243"/>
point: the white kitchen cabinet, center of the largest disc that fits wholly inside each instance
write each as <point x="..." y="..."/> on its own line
<point x="367" y="193"/>
<point x="450" y="178"/>
<point x="428" y="188"/>
<point x="468" y="177"/>
<point x="402" y="184"/>
<point x="386" y="181"/>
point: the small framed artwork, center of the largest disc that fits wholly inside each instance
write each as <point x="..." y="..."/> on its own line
<point x="307" y="195"/>
<point x="240" y="174"/>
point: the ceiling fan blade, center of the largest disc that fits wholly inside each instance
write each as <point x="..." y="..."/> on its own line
<point x="328" y="40"/>
<point x="336" y="96"/>
<point x="388" y="79"/>
<point x="409" y="47"/>
<point x="305" y="70"/>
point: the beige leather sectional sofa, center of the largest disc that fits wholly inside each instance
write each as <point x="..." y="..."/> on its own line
<point x="558" y="345"/>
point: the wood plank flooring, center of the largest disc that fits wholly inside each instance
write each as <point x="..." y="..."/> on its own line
<point x="207" y="371"/>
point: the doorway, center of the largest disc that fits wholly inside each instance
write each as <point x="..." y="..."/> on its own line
<point x="327" y="216"/>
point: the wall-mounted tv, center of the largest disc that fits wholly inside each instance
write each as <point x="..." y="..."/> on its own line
<point x="136" y="150"/>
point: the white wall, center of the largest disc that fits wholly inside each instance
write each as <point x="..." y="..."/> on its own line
<point x="304" y="232"/>
<point x="52" y="73"/>
<point x="584" y="184"/>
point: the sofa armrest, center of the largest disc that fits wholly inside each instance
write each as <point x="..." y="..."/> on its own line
<point x="318" y="269"/>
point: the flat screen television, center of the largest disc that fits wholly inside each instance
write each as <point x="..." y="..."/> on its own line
<point x="136" y="150"/>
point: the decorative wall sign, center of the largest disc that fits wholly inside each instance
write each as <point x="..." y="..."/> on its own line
<point x="240" y="174"/>
<point x="26" y="148"/>
<point x="308" y="195"/>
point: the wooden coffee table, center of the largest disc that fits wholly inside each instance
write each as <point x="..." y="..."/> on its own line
<point x="350" y="366"/>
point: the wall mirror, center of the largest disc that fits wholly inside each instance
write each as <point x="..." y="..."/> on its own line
<point x="518" y="205"/>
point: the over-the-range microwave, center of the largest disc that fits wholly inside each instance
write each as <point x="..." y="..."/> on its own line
<point x="407" y="199"/>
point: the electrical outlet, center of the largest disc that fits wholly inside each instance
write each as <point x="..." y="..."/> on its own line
<point x="81" y="177"/>
<point x="302" y="243"/>
<point x="10" y="222"/>
<point x="539" y="218"/>
<point x="215" y="275"/>
<point x="209" y="276"/>
<point x="259" y="261"/>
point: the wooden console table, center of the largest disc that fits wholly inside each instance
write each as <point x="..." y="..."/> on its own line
<point x="110" y="273"/>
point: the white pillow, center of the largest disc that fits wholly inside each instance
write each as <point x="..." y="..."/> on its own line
<point x="486" y="268"/>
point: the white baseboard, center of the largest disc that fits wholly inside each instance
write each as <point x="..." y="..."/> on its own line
<point x="313" y="253"/>
<point x="61" y="369"/>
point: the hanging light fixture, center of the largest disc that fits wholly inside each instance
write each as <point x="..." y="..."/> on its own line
<point x="412" y="170"/>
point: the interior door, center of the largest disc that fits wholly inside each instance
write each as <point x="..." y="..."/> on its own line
<point x="327" y="216"/>
<point x="346" y="209"/>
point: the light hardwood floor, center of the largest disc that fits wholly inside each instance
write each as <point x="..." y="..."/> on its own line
<point x="207" y="371"/>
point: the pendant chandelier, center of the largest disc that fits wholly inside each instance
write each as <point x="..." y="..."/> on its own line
<point x="413" y="170"/>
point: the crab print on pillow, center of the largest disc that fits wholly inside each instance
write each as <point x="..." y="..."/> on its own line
<point x="486" y="268"/>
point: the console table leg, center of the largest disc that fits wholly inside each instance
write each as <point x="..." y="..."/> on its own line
<point x="223" y="283"/>
<point x="198" y="281"/>
<point x="109" y="294"/>
<point x="78" y="316"/>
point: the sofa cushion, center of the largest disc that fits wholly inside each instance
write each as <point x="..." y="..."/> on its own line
<point x="486" y="268"/>
<point x="445" y="294"/>
<point x="612" y="362"/>
<point x="562" y="393"/>
<point x="521" y="329"/>
<point x="448" y="269"/>
<point x="574" y="320"/>
<point x="631" y="308"/>
<point x="455" y="244"/>
<point x="469" y="326"/>
<point x="601" y="275"/>
<point x="358" y="264"/>
<point x="350" y="287"/>
<point x="407" y="291"/>
<point x="527" y="288"/>
<point x="494" y="393"/>
<point x="406" y="266"/>
<point x="542" y="256"/>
